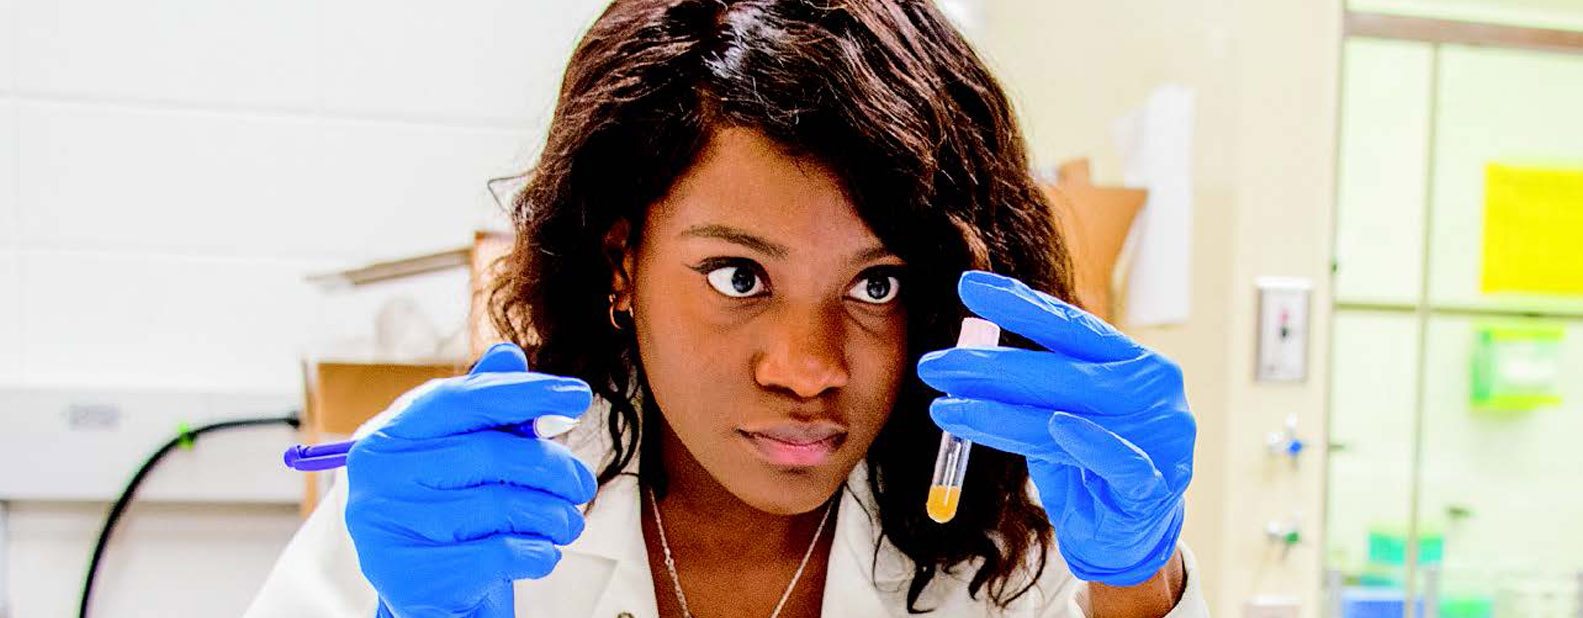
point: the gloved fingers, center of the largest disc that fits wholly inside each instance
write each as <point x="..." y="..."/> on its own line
<point x="499" y="602"/>
<point x="504" y="556"/>
<point x="479" y="512"/>
<point x="1060" y="487"/>
<point x="501" y="358"/>
<point x="1128" y="471"/>
<point x="488" y="457"/>
<point x="489" y="400"/>
<point x="1044" y="319"/>
<point x="1051" y="380"/>
<point x="1129" y="559"/>
<point x="1001" y="426"/>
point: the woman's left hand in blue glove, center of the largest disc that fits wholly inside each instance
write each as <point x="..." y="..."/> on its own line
<point x="1102" y="420"/>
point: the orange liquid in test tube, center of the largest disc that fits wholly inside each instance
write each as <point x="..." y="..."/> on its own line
<point x="950" y="465"/>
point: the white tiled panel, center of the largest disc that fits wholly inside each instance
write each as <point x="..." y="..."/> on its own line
<point x="218" y="183"/>
<point x="392" y="190"/>
<point x="10" y="318"/>
<point x="8" y="170"/>
<point x="256" y="54"/>
<point x="129" y="179"/>
<point x="7" y="47"/>
<point x="151" y="321"/>
<point x="494" y="61"/>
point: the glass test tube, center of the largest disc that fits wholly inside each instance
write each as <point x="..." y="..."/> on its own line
<point x="950" y="465"/>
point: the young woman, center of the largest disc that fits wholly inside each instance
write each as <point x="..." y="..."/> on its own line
<point x="748" y="245"/>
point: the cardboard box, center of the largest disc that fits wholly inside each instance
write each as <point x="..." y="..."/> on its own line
<point x="1095" y="221"/>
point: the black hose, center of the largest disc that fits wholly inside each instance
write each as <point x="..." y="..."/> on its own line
<point x="185" y="437"/>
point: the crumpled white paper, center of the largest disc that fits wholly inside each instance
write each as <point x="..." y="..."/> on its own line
<point x="1156" y="146"/>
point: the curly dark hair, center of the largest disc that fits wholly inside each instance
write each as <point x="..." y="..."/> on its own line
<point x="891" y="98"/>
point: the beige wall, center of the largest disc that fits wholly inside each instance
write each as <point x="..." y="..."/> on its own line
<point x="1266" y="74"/>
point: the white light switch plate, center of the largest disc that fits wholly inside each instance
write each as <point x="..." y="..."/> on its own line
<point x="1283" y="329"/>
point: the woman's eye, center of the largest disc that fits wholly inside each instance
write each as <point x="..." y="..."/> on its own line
<point x="876" y="289"/>
<point x="735" y="281"/>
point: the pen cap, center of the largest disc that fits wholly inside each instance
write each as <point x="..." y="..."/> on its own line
<point x="978" y="333"/>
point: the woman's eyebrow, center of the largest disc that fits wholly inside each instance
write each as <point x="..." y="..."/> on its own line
<point x="737" y="236"/>
<point x="872" y="253"/>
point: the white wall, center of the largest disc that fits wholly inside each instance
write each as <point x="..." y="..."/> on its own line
<point x="169" y="172"/>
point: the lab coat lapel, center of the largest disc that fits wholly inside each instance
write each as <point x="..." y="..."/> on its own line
<point x="850" y="589"/>
<point x="857" y="583"/>
<point x="606" y="571"/>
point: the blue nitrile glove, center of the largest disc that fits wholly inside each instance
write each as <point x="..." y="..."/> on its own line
<point x="1102" y="420"/>
<point x="446" y="508"/>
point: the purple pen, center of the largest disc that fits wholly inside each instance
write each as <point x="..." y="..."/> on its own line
<point x="333" y="455"/>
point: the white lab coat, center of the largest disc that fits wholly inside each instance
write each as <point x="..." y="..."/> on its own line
<point x="605" y="572"/>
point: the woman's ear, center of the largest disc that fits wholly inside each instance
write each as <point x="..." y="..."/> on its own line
<point x="621" y="257"/>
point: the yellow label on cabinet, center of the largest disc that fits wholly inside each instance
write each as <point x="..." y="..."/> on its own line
<point x="1533" y="230"/>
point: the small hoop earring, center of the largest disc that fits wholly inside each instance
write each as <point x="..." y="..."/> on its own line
<point x="613" y="322"/>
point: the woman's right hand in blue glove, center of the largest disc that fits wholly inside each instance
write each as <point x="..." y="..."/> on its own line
<point x="446" y="506"/>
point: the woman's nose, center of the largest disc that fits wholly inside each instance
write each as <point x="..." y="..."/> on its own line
<point x="803" y="354"/>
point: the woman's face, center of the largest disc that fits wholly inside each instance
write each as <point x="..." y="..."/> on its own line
<point x="768" y="322"/>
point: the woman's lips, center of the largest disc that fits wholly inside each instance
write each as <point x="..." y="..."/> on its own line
<point x="796" y="446"/>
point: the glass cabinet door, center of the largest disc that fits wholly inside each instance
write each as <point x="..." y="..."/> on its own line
<point x="1455" y="473"/>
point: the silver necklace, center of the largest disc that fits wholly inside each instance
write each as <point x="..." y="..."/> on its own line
<point x="670" y="564"/>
